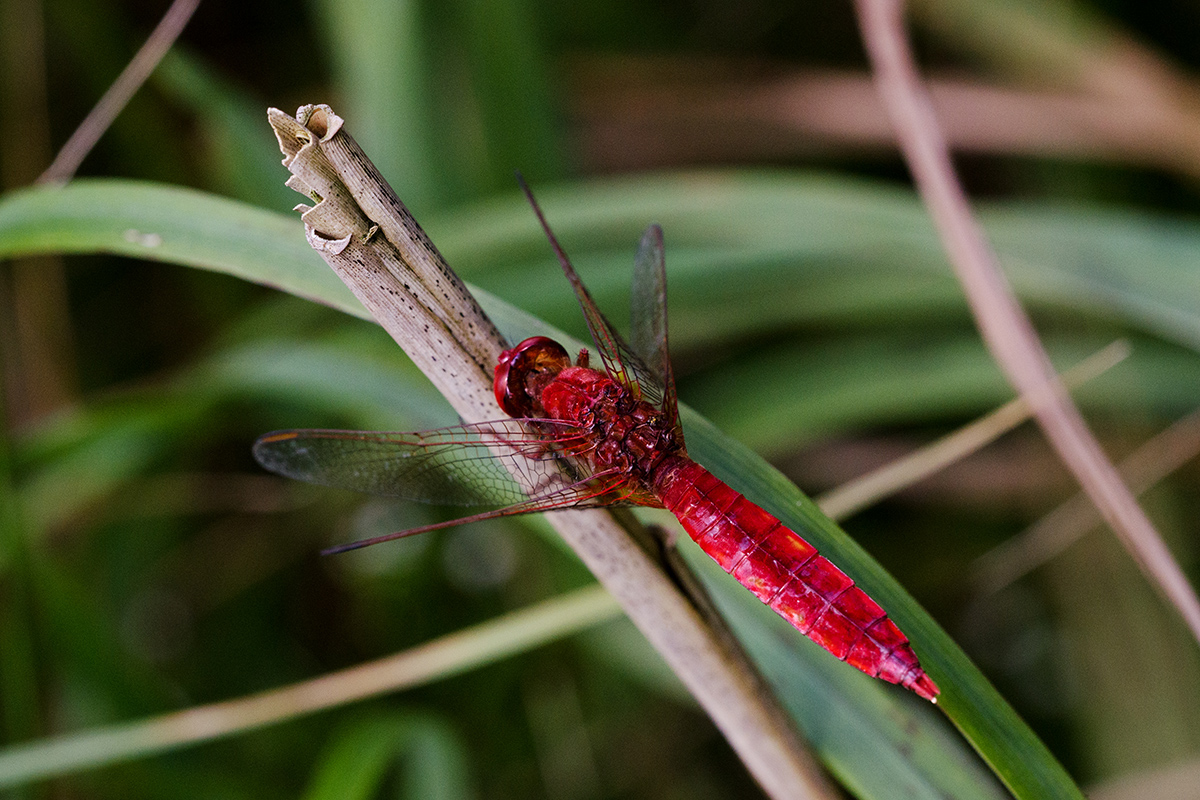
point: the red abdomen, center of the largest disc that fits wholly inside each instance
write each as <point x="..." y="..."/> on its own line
<point x="787" y="573"/>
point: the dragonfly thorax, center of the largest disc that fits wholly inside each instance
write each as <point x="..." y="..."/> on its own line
<point x="626" y="435"/>
<point x="536" y="380"/>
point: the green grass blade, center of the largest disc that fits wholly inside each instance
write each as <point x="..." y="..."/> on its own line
<point x="748" y="226"/>
<point x="1019" y="758"/>
<point x="240" y="156"/>
<point x="850" y="719"/>
<point x="201" y="231"/>
<point x="431" y="757"/>
<point x="725" y="228"/>
<point x="179" y="226"/>
<point x="511" y="75"/>
<point x="20" y="715"/>
<point x="380" y="61"/>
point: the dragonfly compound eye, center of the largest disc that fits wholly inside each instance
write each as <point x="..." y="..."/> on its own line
<point x="524" y="371"/>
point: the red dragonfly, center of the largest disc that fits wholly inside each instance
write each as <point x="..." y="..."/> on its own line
<point x="582" y="438"/>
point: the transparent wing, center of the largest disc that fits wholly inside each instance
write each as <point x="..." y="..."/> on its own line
<point x="623" y="364"/>
<point x="451" y="466"/>
<point x="599" y="490"/>
<point x="648" y="316"/>
<point x="458" y="465"/>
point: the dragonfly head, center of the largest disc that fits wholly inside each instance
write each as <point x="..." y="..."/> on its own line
<point x="524" y="371"/>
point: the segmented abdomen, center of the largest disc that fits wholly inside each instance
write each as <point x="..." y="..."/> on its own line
<point x="787" y="573"/>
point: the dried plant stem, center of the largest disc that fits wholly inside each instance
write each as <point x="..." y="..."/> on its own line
<point x="365" y="234"/>
<point x="866" y="490"/>
<point x="1005" y="328"/>
<point x="1055" y="532"/>
<point x="122" y="89"/>
<point x="1153" y="105"/>
<point x="37" y="365"/>
<point x="632" y="114"/>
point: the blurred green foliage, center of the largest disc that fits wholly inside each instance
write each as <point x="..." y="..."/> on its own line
<point x="147" y="564"/>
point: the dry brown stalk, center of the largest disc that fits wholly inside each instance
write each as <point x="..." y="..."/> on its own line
<point x="1003" y="324"/>
<point x="367" y="236"/>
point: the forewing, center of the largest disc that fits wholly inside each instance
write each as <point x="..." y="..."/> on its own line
<point x="621" y="361"/>
<point x="461" y="465"/>
<point x="648" y="316"/>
